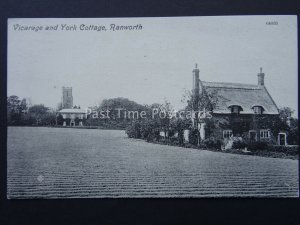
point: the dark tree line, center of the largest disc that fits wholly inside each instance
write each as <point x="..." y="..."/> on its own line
<point x="20" y="114"/>
<point x="161" y="124"/>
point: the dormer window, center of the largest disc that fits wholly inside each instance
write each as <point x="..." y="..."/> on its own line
<point x="235" y="109"/>
<point x="258" y="110"/>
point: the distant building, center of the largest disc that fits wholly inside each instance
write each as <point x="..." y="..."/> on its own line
<point x="243" y="110"/>
<point x="73" y="117"/>
<point x="67" y="98"/>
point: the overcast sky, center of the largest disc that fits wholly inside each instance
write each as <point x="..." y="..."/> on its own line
<point x="154" y="63"/>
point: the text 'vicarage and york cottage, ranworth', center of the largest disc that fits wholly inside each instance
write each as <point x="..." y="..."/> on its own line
<point x="241" y="110"/>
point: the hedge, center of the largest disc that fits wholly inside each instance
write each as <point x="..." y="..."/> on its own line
<point x="289" y="149"/>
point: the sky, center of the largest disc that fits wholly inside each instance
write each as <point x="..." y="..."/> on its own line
<point x="152" y="64"/>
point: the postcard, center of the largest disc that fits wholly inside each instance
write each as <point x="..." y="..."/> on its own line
<point x="161" y="107"/>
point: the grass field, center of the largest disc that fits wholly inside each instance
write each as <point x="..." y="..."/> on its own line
<point x="92" y="163"/>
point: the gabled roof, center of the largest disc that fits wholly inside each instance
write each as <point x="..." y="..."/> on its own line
<point x="243" y="95"/>
<point x="72" y="111"/>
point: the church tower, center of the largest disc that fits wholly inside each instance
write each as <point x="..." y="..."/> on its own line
<point x="67" y="98"/>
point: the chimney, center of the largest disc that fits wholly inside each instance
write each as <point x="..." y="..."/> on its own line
<point x="261" y="78"/>
<point x="196" y="86"/>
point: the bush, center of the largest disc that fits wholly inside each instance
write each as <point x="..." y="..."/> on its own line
<point x="290" y="150"/>
<point x="258" y="145"/>
<point x="189" y="145"/>
<point x="174" y="140"/>
<point x="239" y="144"/>
<point x="202" y="145"/>
<point x="193" y="137"/>
<point x="130" y="131"/>
<point x="68" y="120"/>
<point x="212" y="144"/>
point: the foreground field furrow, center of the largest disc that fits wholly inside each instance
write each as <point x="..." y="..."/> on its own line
<point x="153" y="189"/>
<point x="104" y="191"/>
<point x="153" y="180"/>
<point x="154" y="194"/>
<point x="106" y="164"/>
<point x="153" y="183"/>
<point x="112" y="175"/>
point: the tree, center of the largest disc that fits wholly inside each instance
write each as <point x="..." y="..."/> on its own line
<point x="13" y="103"/>
<point x="60" y="119"/>
<point x="16" y="110"/>
<point x="23" y="106"/>
<point x="201" y="105"/>
<point x="48" y="119"/>
<point x="290" y="124"/>
<point x="39" y="112"/>
<point x="165" y="111"/>
<point x="293" y="133"/>
<point x="205" y="100"/>
<point x="77" y="120"/>
<point x="285" y="113"/>
<point x="115" y="108"/>
<point x="179" y="125"/>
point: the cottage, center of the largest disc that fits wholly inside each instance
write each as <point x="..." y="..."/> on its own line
<point x="241" y="110"/>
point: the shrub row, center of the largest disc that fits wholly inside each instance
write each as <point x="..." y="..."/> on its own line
<point x="291" y="150"/>
<point x="264" y="146"/>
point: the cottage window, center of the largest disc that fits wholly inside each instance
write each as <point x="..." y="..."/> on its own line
<point x="264" y="134"/>
<point x="258" y="110"/>
<point x="227" y="133"/>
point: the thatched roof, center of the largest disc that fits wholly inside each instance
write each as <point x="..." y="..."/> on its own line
<point x="244" y="95"/>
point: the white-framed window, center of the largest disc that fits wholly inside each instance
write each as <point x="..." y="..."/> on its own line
<point x="264" y="134"/>
<point x="258" y="110"/>
<point x="227" y="133"/>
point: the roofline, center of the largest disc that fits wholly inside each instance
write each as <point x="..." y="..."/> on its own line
<point x="244" y="113"/>
<point x="73" y="112"/>
<point x="234" y="104"/>
<point x="271" y="98"/>
<point x="254" y="86"/>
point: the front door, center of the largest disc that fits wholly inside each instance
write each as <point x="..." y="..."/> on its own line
<point x="72" y="123"/>
<point x="282" y="139"/>
<point x="252" y="135"/>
